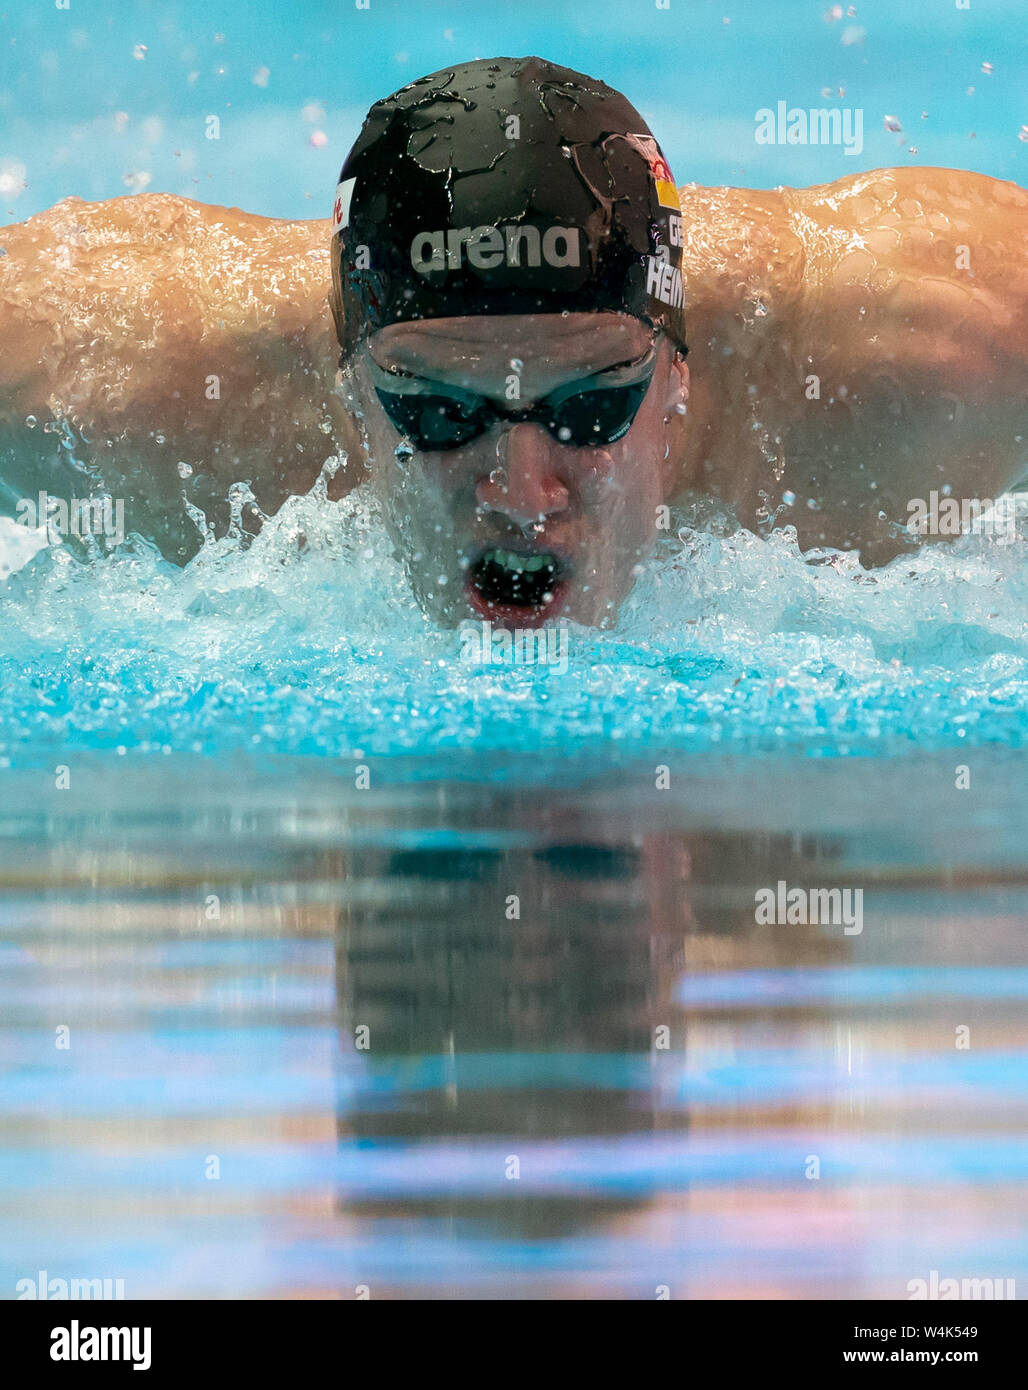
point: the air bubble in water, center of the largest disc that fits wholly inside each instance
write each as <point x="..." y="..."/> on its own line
<point x="185" y="470"/>
<point x="516" y="365"/>
<point x="30" y="421"/>
<point x="498" y="478"/>
<point x="788" y="498"/>
<point x="404" y="452"/>
<point x="563" y="434"/>
<point x="139" y="52"/>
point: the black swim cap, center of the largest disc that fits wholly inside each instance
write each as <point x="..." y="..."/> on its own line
<point x="505" y="186"/>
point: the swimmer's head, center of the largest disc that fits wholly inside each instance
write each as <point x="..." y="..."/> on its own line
<point x="505" y="186"/>
<point x="507" y="289"/>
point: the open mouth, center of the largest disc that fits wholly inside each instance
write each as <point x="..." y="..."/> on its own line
<point x="516" y="582"/>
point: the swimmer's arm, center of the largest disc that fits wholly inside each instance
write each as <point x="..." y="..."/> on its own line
<point x="870" y="334"/>
<point x="915" y="304"/>
<point x="926" y="269"/>
<point x="158" y="316"/>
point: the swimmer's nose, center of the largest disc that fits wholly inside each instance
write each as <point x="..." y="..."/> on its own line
<point x="523" y="484"/>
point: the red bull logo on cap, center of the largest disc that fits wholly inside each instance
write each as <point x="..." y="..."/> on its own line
<point x="667" y="193"/>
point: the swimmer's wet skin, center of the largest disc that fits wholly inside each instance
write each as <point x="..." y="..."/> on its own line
<point x="513" y="335"/>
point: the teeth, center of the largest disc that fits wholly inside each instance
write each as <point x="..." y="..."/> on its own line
<point x="504" y="576"/>
<point x="519" y="564"/>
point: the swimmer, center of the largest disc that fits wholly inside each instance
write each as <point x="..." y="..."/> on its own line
<point x="514" y="282"/>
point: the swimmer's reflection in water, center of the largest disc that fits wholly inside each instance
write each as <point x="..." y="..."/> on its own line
<point x="547" y="1028"/>
<point x="513" y="315"/>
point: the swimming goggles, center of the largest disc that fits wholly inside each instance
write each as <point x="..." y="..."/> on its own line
<point x="581" y="414"/>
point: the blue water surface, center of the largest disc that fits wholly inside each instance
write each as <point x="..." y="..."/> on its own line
<point x="729" y="641"/>
<point x="101" y="109"/>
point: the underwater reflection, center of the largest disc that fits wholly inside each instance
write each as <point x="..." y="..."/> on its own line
<point x="453" y="1040"/>
<point x="509" y="1018"/>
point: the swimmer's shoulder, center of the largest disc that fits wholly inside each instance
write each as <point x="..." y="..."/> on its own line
<point x="939" y="256"/>
<point x="86" y="287"/>
<point x="739" y="244"/>
<point x="922" y="208"/>
<point x="126" y="243"/>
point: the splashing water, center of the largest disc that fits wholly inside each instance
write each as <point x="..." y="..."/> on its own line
<point x="308" y="641"/>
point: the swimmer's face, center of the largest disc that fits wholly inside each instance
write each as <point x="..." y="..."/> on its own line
<point x="527" y="521"/>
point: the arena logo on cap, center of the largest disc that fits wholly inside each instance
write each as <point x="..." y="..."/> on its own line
<point x="667" y="193"/>
<point x="486" y="248"/>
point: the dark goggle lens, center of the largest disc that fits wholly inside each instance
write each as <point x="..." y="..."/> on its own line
<point x="597" y="417"/>
<point x="433" y="422"/>
<point x="582" y="420"/>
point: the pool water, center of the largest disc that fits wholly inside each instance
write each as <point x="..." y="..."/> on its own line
<point x="309" y="642"/>
<point x="264" y="833"/>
